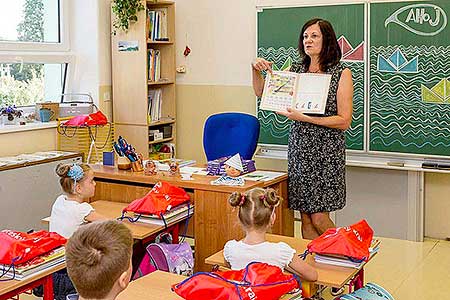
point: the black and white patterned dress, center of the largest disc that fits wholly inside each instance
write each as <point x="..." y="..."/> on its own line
<point x="316" y="158"/>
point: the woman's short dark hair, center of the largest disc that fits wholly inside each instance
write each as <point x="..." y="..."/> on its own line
<point x="330" y="54"/>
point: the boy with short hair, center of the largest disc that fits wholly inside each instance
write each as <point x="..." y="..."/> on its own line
<point x="98" y="258"/>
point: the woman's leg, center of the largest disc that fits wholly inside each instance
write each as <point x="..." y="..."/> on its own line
<point x="308" y="230"/>
<point x="321" y="222"/>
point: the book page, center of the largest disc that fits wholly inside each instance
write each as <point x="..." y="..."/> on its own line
<point x="312" y="92"/>
<point x="279" y="91"/>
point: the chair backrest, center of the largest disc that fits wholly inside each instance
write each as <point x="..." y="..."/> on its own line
<point x="230" y="133"/>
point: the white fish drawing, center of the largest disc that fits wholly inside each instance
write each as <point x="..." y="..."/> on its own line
<point x="418" y="15"/>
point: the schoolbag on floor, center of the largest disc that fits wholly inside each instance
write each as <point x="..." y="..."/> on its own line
<point x="370" y="291"/>
<point x="173" y="258"/>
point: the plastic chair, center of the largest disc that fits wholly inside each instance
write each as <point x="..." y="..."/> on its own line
<point x="226" y="134"/>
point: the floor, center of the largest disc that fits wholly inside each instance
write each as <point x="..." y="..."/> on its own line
<point x="408" y="270"/>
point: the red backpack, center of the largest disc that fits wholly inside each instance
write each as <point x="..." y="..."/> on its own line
<point x="257" y="281"/>
<point x="351" y="241"/>
<point x="19" y="247"/>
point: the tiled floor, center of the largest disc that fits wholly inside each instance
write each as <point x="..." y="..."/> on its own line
<point x="408" y="270"/>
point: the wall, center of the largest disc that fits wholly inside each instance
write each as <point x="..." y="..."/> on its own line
<point x="222" y="37"/>
<point x="14" y="143"/>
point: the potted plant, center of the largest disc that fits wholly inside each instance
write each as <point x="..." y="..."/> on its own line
<point x="125" y="12"/>
<point x="10" y="114"/>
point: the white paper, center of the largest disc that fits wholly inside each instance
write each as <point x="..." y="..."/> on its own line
<point x="312" y="92"/>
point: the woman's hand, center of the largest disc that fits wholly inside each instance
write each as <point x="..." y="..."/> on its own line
<point x="294" y="114"/>
<point x="260" y="64"/>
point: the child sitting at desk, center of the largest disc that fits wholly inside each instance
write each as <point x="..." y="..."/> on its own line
<point x="257" y="215"/>
<point x="98" y="258"/>
<point x="69" y="212"/>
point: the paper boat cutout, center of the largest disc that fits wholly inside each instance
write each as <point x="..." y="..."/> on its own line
<point x="348" y="52"/>
<point x="285" y="67"/>
<point x="440" y="93"/>
<point x="397" y="63"/>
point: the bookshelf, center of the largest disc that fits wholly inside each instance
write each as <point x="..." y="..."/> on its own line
<point x="133" y="80"/>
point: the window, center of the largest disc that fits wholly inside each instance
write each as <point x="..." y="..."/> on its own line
<point x="24" y="84"/>
<point x="34" y="52"/>
<point x="33" y="25"/>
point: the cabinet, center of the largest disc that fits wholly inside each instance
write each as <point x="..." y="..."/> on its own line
<point x="130" y="79"/>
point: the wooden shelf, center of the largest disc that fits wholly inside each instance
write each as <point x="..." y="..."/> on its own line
<point x="160" y="141"/>
<point x="159" y="42"/>
<point x="160" y="82"/>
<point x="132" y="120"/>
<point x="164" y="122"/>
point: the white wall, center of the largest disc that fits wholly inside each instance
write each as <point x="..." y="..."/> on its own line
<point x="90" y="36"/>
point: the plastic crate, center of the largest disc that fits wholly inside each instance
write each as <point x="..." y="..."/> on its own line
<point x="79" y="139"/>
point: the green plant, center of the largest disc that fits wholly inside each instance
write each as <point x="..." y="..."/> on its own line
<point x="125" y="12"/>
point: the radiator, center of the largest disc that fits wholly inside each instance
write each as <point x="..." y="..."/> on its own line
<point x="27" y="193"/>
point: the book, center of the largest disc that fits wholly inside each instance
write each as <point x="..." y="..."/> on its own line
<point x="177" y="213"/>
<point x="306" y="92"/>
<point x="35" y="265"/>
<point x="260" y="175"/>
<point x="343" y="261"/>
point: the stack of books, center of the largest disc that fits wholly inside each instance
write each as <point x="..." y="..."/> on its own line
<point x="343" y="261"/>
<point x="35" y="266"/>
<point x="171" y="216"/>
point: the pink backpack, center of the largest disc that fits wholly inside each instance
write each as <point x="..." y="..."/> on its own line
<point x="173" y="258"/>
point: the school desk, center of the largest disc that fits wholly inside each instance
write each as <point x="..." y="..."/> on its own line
<point x="11" y="288"/>
<point x="215" y="221"/>
<point x="156" y="286"/>
<point x="328" y="275"/>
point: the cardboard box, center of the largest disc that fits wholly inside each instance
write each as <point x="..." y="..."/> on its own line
<point x="53" y="106"/>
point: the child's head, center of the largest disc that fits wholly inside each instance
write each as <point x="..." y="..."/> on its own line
<point x="76" y="179"/>
<point x="98" y="258"/>
<point x="256" y="207"/>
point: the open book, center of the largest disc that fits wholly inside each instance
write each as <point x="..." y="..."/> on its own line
<point x="306" y="92"/>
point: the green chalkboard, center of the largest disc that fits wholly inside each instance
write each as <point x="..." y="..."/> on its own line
<point x="409" y="103"/>
<point x="278" y="32"/>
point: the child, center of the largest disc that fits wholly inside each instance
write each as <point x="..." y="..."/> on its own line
<point x="257" y="215"/>
<point x="98" y="258"/>
<point x="70" y="209"/>
<point x="69" y="212"/>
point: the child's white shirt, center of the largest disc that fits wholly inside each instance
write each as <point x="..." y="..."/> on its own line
<point x="67" y="215"/>
<point x="240" y="254"/>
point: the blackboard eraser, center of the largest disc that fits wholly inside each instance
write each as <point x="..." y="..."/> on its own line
<point x="395" y="163"/>
<point x="429" y="165"/>
<point x="443" y="166"/>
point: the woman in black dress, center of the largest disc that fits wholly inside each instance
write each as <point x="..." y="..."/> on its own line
<point x="316" y="148"/>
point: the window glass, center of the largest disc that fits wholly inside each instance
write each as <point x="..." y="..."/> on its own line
<point x="30" y="21"/>
<point x="23" y="84"/>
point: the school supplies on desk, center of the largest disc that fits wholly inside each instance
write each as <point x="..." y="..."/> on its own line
<point x="305" y="92"/>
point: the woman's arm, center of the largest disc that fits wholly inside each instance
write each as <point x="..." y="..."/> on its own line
<point x="259" y="65"/>
<point x="302" y="268"/>
<point x="344" y="97"/>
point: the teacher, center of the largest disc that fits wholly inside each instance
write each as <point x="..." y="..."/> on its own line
<point x="316" y="148"/>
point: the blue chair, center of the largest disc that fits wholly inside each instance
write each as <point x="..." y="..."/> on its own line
<point x="226" y="134"/>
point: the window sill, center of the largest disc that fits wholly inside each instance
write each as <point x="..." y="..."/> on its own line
<point x="28" y="127"/>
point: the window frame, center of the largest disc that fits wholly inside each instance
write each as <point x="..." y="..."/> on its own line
<point x="63" y="45"/>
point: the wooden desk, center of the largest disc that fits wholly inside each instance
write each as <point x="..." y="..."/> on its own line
<point x="328" y="275"/>
<point x="215" y="221"/>
<point x="156" y="285"/>
<point x="11" y="288"/>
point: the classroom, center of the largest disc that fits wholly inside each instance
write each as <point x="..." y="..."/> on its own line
<point x="158" y="82"/>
